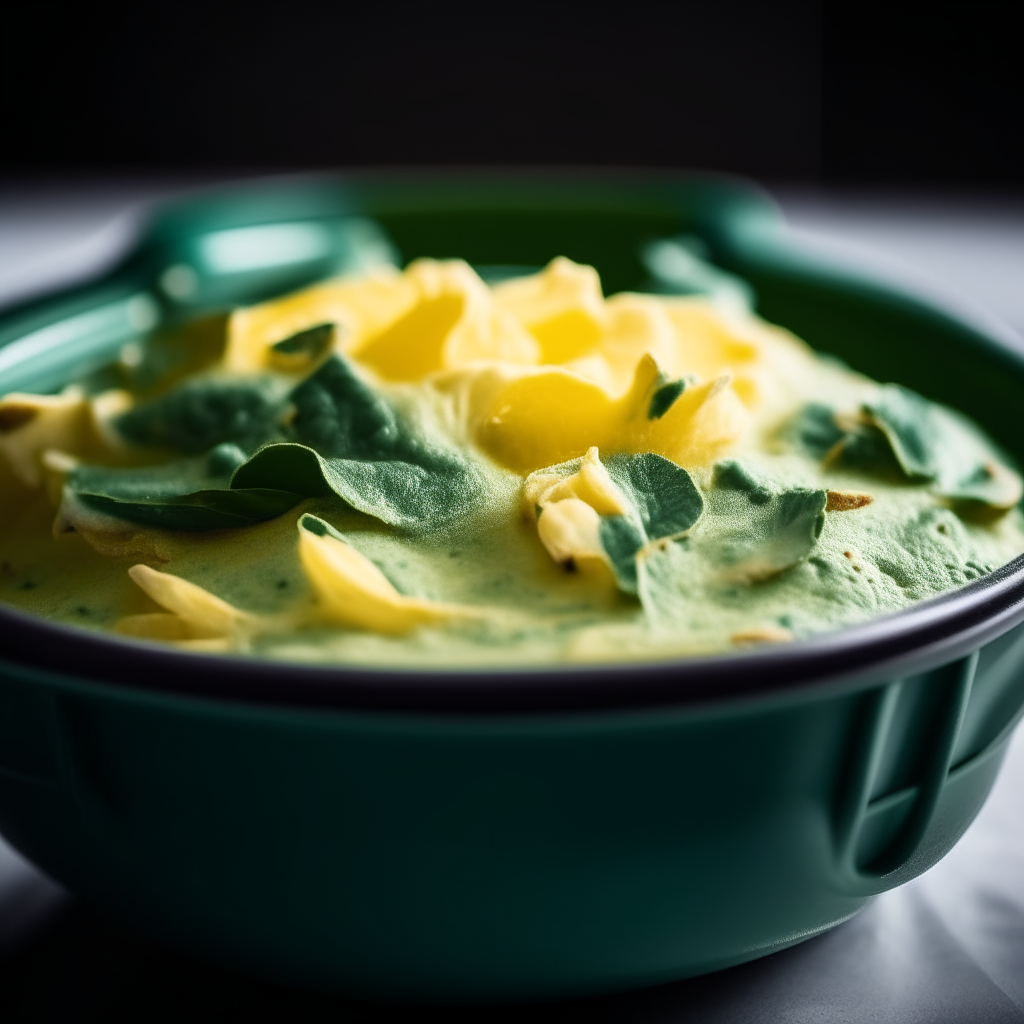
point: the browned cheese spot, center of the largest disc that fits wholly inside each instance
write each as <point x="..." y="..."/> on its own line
<point x="843" y="501"/>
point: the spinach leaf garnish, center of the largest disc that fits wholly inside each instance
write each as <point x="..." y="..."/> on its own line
<point x="939" y="445"/>
<point x="901" y="434"/>
<point x="663" y="501"/>
<point x="664" y="397"/>
<point x="303" y="349"/>
<point x="622" y="539"/>
<point x="815" y="430"/>
<point x="753" y="529"/>
<point x="200" y="414"/>
<point x="853" y="442"/>
<point x="656" y="500"/>
<point x="351" y="442"/>
<point x="733" y="475"/>
<point x="402" y="494"/>
<point x="341" y="416"/>
<point x="344" y="439"/>
<point x="914" y="428"/>
<point x="761" y="528"/>
<point x="665" y="497"/>
<point x="188" y="494"/>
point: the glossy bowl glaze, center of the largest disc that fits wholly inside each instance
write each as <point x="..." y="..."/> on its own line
<point x="521" y="833"/>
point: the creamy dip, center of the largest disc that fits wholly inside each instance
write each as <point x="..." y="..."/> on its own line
<point x="417" y="468"/>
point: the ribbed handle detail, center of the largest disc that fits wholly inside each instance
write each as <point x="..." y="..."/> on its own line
<point x="895" y="859"/>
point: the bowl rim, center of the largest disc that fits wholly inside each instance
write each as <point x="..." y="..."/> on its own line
<point x="913" y="639"/>
<point x="930" y="633"/>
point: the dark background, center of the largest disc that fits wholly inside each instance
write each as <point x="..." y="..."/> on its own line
<point x="836" y="94"/>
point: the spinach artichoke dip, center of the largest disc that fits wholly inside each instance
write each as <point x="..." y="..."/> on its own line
<point x="419" y="468"/>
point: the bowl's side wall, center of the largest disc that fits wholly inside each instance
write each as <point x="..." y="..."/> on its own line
<point x="433" y="858"/>
<point x="467" y="858"/>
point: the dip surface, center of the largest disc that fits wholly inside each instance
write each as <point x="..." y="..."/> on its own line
<point x="420" y="469"/>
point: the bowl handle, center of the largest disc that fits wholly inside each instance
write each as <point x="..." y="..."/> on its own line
<point x="898" y="861"/>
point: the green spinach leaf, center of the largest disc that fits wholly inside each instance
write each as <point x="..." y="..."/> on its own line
<point x="188" y="494"/>
<point x="753" y="529"/>
<point x="901" y="435"/>
<point x="339" y="415"/>
<point x="815" y="430"/>
<point x="351" y="442"/>
<point x="344" y="439"/>
<point x="203" y="413"/>
<point x="622" y="539"/>
<point x="663" y="502"/>
<point x="664" y="397"/>
<point x="757" y="527"/>
<point x="936" y="444"/>
<point x="402" y="494"/>
<point x="303" y="349"/>
<point x="665" y="498"/>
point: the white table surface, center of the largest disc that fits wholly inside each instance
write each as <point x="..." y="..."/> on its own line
<point x="948" y="946"/>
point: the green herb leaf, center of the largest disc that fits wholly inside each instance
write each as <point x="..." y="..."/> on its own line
<point x="354" y="444"/>
<point x="191" y="494"/>
<point x="757" y="528"/>
<point x="912" y="425"/>
<point x="753" y="529"/>
<point x="665" y="498"/>
<point x="858" y="445"/>
<point x="401" y="494"/>
<point x="340" y="416"/>
<point x="622" y="539"/>
<point x="815" y="430"/>
<point x="207" y="412"/>
<point x="662" y="502"/>
<point x="320" y="527"/>
<point x="903" y="435"/>
<point x="664" y="398"/>
<point x="867" y="450"/>
<point x="987" y="492"/>
<point x="200" y="510"/>
<point x="937" y="444"/>
<point x="664" y="577"/>
<point x="302" y="350"/>
<point x="733" y="475"/>
<point x="349" y="442"/>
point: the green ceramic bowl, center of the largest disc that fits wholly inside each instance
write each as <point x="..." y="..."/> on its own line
<point x="519" y="834"/>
